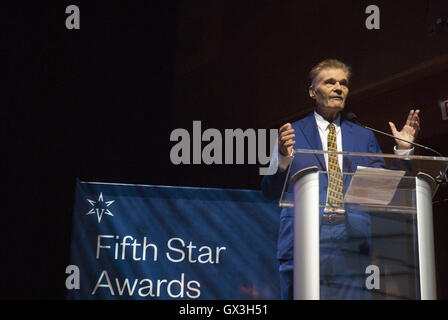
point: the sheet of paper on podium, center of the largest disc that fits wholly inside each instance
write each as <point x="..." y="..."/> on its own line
<point x="373" y="186"/>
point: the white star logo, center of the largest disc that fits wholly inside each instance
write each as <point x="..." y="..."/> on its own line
<point x="100" y="207"/>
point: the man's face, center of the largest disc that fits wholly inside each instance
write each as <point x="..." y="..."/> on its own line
<point x="330" y="90"/>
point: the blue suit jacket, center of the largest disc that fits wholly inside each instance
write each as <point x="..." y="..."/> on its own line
<point x="354" y="138"/>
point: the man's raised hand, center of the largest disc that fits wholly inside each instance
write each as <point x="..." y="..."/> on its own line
<point x="285" y="139"/>
<point x="409" y="131"/>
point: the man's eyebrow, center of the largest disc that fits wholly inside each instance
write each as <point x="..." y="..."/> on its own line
<point x="344" y="81"/>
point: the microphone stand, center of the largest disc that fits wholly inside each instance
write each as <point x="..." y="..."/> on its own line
<point x="441" y="179"/>
<point x="413" y="143"/>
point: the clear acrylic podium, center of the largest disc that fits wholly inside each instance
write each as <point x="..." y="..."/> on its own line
<point x="398" y="200"/>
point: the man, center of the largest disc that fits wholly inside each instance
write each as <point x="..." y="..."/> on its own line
<point x="344" y="237"/>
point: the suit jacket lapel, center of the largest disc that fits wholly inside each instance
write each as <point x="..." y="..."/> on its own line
<point x="311" y="134"/>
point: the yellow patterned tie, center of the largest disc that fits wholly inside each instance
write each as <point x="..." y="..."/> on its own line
<point x="335" y="191"/>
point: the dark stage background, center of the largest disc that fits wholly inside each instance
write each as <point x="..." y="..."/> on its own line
<point x="100" y="103"/>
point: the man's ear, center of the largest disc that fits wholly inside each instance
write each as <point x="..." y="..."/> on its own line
<point x="311" y="92"/>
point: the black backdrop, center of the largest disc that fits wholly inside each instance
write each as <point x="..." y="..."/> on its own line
<point x="92" y="103"/>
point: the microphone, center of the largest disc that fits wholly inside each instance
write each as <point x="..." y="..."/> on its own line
<point x="441" y="179"/>
<point x="353" y="118"/>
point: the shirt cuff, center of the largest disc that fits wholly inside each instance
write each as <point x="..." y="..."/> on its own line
<point x="403" y="152"/>
<point x="284" y="162"/>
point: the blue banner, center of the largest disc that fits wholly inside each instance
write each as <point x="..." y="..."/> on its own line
<point x="159" y="242"/>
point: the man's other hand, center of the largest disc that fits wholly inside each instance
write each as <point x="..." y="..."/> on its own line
<point x="409" y="131"/>
<point x="285" y="139"/>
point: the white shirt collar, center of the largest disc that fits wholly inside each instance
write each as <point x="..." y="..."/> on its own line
<point x="323" y="124"/>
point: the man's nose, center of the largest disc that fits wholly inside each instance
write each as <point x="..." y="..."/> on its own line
<point x="337" y="87"/>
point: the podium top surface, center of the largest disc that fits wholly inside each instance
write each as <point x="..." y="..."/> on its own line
<point x="377" y="155"/>
<point x="373" y="179"/>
